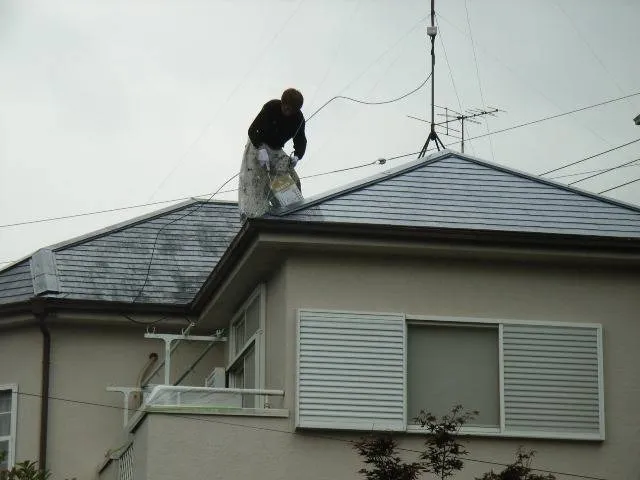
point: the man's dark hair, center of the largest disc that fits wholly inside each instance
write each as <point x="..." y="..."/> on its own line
<point x="293" y="98"/>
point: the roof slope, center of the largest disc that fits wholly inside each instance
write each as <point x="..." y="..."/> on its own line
<point x="16" y="283"/>
<point x="112" y="264"/>
<point x="450" y="190"/>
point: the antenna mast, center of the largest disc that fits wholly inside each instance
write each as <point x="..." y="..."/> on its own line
<point x="432" y="32"/>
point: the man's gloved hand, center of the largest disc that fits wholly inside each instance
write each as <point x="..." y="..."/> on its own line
<point x="294" y="161"/>
<point x="263" y="158"/>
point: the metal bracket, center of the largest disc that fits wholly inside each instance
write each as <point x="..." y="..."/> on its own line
<point x="126" y="391"/>
<point x="170" y="338"/>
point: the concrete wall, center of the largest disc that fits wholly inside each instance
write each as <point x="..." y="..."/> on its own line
<point x="222" y="448"/>
<point x="21" y="364"/>
<point x="508" y="290"/>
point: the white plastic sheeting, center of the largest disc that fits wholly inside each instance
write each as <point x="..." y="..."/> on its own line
<point x="253" y="192"/>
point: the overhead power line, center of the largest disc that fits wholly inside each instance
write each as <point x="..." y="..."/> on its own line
<point x="606" y="170"/>
<point x="555" y="177"/>
<point x="286" y="432"/>
<point x="621" y="185"/>
<point x="514" y="127"/>
<point x="589" y="157"/>
<point x="254" y="64"/>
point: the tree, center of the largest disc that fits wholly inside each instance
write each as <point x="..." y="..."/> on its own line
<point x="380" y="452"/>
<point x="443" y="454"/>
<point x="518" y="470"/>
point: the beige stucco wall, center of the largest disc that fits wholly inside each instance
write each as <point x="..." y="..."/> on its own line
<point x="84" y="362"/>
<point x="84" y="419"/>
<point x="222" y="447"/>
<point x="21" y="364"/>
<point x="523" y="290"/>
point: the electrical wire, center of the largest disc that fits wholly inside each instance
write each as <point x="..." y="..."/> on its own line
<point x="254" y="64"/>
<point x="618" y="186"/>
<point x="589" y="157"/>
<point x="453" y="82"/>
<point x="345" y="27"/>
<point x="521" y="78"/>
<point x="288" y="432"/>
<point x="589" y="171"/>
<point x="606" y="170"/>
<point x="155" y="241"/>
<point x="152" y="322"/>
<point x="514" y="127"/>
<point x="475" y="59"/>
<point x="589" y="46"/>
<point x="364" y="102"/>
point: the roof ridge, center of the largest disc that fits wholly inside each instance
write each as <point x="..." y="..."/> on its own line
<point x="362" y="183"/>
<point x="433" y="158"/>
<point x="548" y="181"/>
<point x="121" y="225"/>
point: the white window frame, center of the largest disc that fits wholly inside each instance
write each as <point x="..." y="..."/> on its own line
<point x="14" y="422"/>
<point x="257" y="341"/>
<point x="499" y="323"/>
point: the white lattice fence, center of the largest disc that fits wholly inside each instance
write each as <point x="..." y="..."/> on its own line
<point x="125" y="464"/>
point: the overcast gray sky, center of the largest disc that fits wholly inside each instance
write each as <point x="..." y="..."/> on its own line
<point x="108" y="104"/>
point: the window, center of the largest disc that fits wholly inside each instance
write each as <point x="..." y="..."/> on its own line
<point x="376" y="371"/>
<point x="449" y="365"/>
<point x="8" y="414"/>
<point x="246" y="365"/>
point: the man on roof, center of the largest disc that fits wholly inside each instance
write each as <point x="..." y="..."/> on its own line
<point x="278" y="122"/>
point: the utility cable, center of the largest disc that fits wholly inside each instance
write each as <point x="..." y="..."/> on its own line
<point x="521" y="78"/>
<point x="589" y="46"/>
<point x="555" y="177"/>
<point x="155" y="241"/>
<point x="189" y="212"/>
<point x="475" y="59"/>
<point x="514" y="127"/>
<point x="254" y="64"/>
<point x="194" y="417"/>
<point x="618" y="186"/>
<point x="606" y="170"/>
<point x="589" y="157"/>
<point x="364" y="102"/>
<point x="453" y="83"/>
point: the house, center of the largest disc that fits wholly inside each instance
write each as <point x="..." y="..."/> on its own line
<point x="231" y="351"/>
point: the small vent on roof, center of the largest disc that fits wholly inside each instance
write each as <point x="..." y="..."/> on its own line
<point x="44" y="272"/>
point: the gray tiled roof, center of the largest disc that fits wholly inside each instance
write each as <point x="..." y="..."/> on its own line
<point x="16" y="284"/>
<point x="451" y="190"/>
<point x="447" y="190"/>
<point x="112" y="265"/>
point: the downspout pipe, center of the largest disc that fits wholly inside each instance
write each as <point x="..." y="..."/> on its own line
<point x="44" y="389"/>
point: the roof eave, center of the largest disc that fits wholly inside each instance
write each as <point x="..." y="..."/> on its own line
<point x="49" y="304"/>
<point x="494" y="238"/>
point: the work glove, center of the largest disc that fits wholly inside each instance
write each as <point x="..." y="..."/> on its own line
<point x="294" y="161"/>
<point x="263" y="158"/>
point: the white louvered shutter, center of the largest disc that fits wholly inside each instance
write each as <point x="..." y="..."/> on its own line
<point x="552" y="380"/>
<point x="351" y="372"/>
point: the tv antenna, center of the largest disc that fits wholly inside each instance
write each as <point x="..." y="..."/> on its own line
<point x="451" y="116"/>
<point x="432" y="31"/>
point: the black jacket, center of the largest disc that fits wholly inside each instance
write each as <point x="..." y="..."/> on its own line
<point x="275" y="129"/>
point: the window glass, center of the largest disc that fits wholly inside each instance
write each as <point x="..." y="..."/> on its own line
<point x="239" y="336"/>
<point x="450" y="365"/>
<point x="252" y="318"/>
<point x="4" y="452"/>
<point x="5" y="412"/>
<point x="248" y="401"/>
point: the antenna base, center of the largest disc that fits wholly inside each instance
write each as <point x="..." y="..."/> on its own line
<point x="432" y="136"/>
